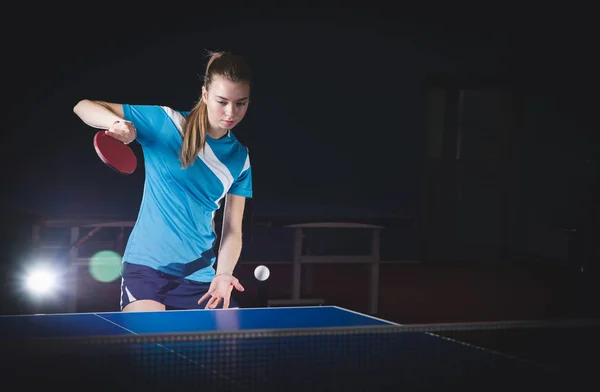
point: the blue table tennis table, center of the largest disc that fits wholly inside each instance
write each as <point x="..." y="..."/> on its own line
<point x="320" y="348"/>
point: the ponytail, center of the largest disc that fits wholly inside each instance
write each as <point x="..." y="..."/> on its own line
<point x="194" y="134"/>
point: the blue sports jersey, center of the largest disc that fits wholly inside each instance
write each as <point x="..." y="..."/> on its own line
<point x="174" y="231"/>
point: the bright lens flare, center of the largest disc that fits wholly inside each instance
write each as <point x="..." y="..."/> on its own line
<point x="41" y="281"/>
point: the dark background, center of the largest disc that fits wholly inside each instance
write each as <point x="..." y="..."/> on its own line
<point x="344" y="125"/>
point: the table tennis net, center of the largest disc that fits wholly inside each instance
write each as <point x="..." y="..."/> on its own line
<point x="494" y="356"/>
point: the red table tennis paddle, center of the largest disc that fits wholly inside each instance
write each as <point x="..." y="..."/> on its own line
<point x="114" y="153"/>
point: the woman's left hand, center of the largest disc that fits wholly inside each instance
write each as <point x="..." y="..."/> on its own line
<point x="220" y="289"/>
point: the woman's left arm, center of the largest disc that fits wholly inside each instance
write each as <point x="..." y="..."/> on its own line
<point x="231" y="235"/>
<point x="229" y="253"/>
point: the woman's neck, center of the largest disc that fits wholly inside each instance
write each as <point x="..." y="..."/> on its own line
<point x="216" y="133"/>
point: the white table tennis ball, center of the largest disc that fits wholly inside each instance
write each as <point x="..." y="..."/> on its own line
<point x="261" y="273"/>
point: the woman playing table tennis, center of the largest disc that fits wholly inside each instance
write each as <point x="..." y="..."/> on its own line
<point x="193" y="163"/>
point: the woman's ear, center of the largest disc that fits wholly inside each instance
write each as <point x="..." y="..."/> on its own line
<point x="204" y="95"/>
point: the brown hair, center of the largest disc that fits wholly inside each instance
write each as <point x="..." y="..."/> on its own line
<point x="224" y="64"/>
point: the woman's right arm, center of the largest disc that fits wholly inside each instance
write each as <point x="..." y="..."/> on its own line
<point x="99" y="114"/>
<point x="106" y="115"/>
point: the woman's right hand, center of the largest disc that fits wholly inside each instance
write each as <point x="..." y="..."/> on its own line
<point x="123" y="131"/>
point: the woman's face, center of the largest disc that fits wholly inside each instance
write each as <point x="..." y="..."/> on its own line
<point x="226" y="103"/>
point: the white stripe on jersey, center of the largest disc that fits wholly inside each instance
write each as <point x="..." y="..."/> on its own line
<point x="247" y="163"/>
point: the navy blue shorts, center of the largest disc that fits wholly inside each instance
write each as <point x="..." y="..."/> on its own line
<point x="140" y="282"/>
